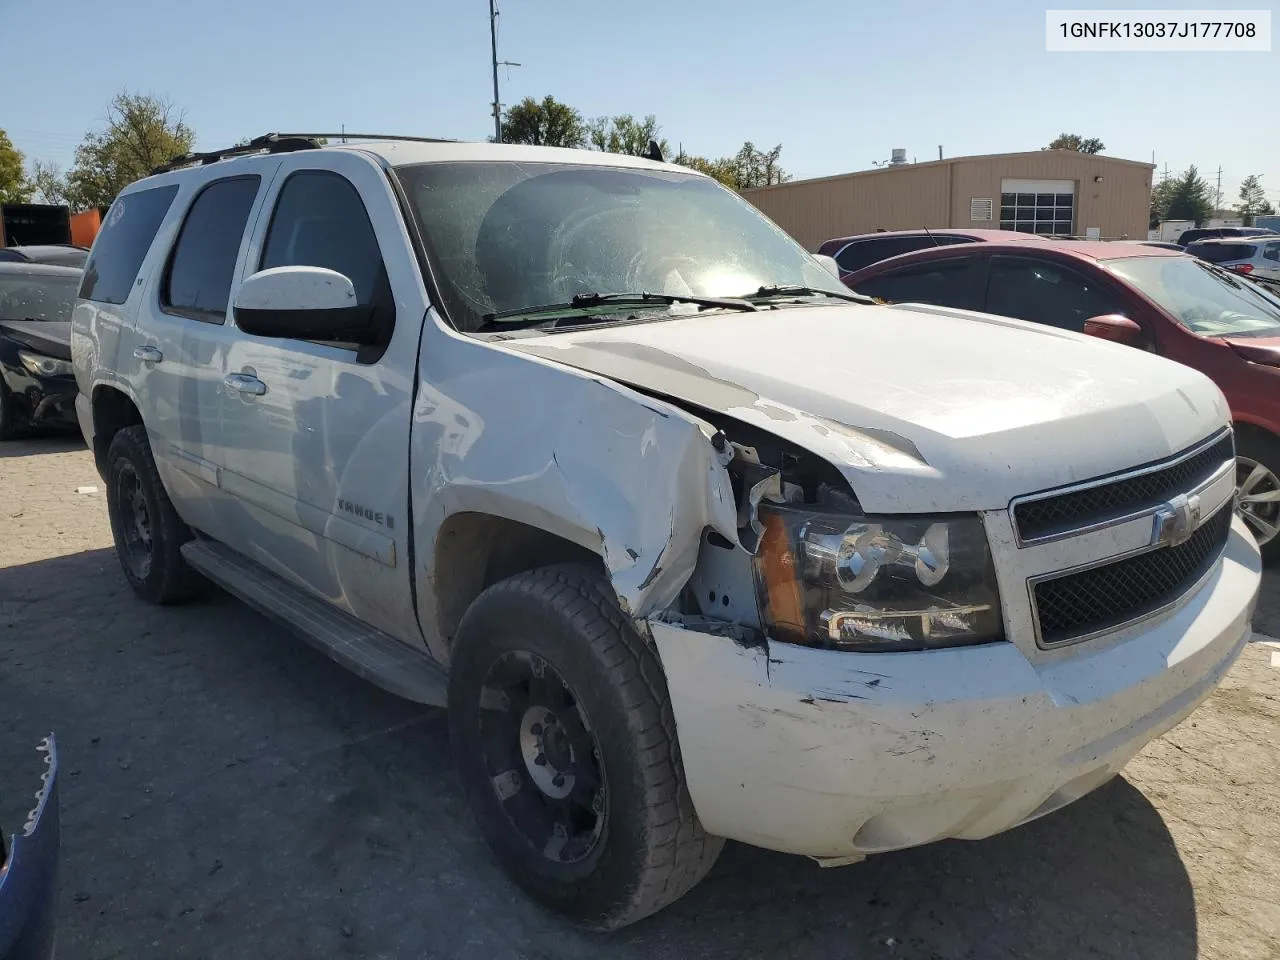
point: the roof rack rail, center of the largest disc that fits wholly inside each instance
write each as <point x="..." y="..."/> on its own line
<point x="280" y="143"/>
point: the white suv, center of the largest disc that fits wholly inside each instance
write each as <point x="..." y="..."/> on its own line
<point x="693" y="542"/>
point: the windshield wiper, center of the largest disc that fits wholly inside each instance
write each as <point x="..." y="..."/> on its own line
<point x="587" y="301"/>
<point x="772" y="291"/>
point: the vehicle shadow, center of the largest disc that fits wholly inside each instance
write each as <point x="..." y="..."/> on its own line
<point x="229" y="792"/>
<point x="34" y="444"/>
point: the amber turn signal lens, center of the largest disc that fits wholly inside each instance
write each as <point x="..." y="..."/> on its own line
<point x="782" y="586"/>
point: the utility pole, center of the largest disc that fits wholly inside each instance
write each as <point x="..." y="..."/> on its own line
<point x="493" y="50"/>
<point x="1217" y="201"/>
<point x="939" y="151"/>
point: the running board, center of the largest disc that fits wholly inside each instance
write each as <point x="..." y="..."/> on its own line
<point x="368" y="652"/>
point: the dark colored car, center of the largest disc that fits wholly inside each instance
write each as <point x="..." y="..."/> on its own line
<point x="29" y="872"/>
<point x="1214" y="233"/>
<point x="855" y="252"/>
<point x="37" y="387"/>
<point x="58" y="254"/>
<point x="1159" y="300"/>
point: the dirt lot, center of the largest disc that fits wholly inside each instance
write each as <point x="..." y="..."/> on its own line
<point x="228" y="792"/>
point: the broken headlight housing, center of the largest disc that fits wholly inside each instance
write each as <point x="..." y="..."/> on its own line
<point x="838" y="580"/>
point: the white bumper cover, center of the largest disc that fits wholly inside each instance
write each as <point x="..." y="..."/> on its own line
<point x="835" y="754"/>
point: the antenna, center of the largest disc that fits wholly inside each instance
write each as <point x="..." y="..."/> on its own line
<point x="931" y="237"/>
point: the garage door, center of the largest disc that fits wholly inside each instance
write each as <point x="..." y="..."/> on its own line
<point x="1038" y="206"/>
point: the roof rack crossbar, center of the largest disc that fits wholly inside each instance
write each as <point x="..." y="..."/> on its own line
<point x="279" y="143"/>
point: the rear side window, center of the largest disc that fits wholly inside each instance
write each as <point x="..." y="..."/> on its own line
<point x="123" y="242"/>
<point x="863" y="253"/>
<point x="948" y="283"/>
<point x="1223" y="252"/>
<point x="197" y="283"/>
<point x="320" y="221"/>
<point x="1046" y="293"/>
<point x="1272" y="252"/>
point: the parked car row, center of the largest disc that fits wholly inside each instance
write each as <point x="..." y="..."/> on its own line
<point x="1181" y="306"/>
<point x="37" y="385"/>
<point x="693" y="542"/>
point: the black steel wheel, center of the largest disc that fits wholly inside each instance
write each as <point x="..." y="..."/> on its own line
<point x="564" y="739"/>
<point x="147" y="530"/>
<point x="542" y="757"/>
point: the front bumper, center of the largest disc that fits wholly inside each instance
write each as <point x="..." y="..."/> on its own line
<point x="837" y="755"/>
<point x="29" y="876"/>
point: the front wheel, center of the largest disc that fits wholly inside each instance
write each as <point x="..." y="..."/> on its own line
<point x="563" y="736"/>
<point x="8" y="416"/>
<point x="1258" y="491"/>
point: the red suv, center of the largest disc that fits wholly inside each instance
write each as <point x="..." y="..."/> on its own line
<point x="1154" y="299"/>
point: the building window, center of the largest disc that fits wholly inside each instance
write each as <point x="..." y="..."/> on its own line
<point x="1051" y="214"/>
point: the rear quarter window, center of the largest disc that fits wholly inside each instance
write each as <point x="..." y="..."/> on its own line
<point x="126" y="235"/>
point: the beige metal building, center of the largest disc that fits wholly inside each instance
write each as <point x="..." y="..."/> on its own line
<point x="1057" y="192"/>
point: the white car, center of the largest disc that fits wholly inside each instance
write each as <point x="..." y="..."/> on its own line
<point x="1255" y="257"/>
<point x="693" y="543"/>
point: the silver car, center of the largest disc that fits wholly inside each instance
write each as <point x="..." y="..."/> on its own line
<point x="1254" y="256"/>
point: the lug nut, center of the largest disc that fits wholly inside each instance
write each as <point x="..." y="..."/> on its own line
<point x="540" y="760"/>
<point x="536" y="729"/>
<point x="558" y="780"/>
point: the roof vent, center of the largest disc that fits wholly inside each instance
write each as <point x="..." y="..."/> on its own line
<point x="899" y="155"/>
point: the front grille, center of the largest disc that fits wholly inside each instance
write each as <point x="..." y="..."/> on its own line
<point x="1102" y="597"/>
<point x="1054" y="515"/>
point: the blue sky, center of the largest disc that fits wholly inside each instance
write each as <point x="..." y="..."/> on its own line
<point x="838" y="85"/>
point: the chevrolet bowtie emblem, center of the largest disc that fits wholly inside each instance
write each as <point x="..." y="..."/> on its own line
<point x="1174" y="522"/>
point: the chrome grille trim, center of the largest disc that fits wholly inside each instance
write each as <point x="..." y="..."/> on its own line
<point x="1115" y="478"/>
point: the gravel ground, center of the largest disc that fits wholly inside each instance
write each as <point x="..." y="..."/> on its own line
<point x="227" y="793"/>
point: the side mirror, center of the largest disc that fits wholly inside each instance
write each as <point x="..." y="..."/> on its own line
<point x="1117" y="329"/>
<point x="302" y="303"/>
<point x="829" y="263"/>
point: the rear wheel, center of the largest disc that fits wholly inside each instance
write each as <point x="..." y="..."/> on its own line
<point x="564" y="739"/>
<point x="1258" y="491"/>
<point x="147" y="530"/>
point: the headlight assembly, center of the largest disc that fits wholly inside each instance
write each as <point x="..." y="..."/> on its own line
<point x="42" y="366"/>
<point x="893" y="583"/>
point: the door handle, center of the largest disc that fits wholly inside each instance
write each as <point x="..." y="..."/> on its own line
<point x="243" y="383"/>
<point x="148" y="354"/>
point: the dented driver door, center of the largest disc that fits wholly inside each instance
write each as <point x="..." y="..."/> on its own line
<point x="315" y="436"/>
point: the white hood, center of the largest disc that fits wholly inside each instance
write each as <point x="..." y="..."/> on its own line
<point x="921" y="408"/>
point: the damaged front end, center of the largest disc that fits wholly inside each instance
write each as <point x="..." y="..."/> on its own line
<point x="29" y="872"/>
<point x="810" y="567"/>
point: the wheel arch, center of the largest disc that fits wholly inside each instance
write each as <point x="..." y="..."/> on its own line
<point x="474" y="550"/>
<point x="113" y="409"/>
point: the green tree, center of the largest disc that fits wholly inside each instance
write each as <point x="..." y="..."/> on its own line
<point x="758" y="168"/>
<point x="723" y="169"/>
<point x="625" y="134"/>
<point x="548" y="123"/>
<point x="141" y="133"/>
<point x="1188" y="197"/>
<point x="1161" y="195"/>
<point x="749" y="167"/>
<point x="14" y="187"/>
<point x="1073" y="141"/>
<point x="1253" y="199"/>
<point x="49" y="183"/>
